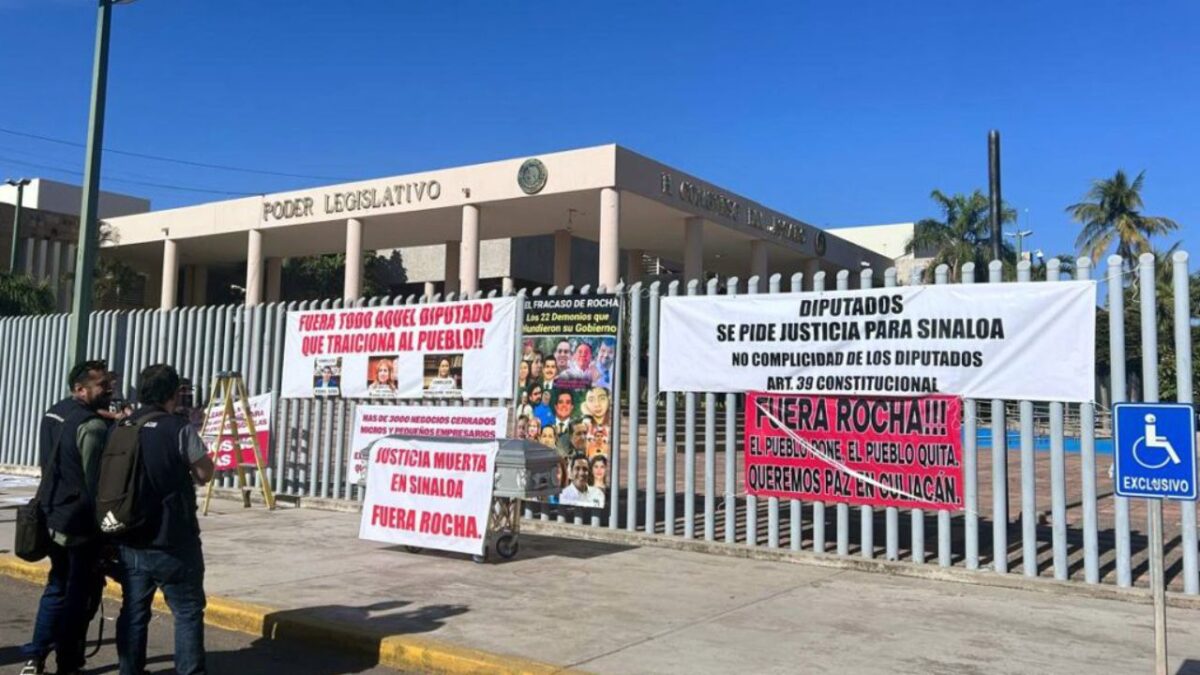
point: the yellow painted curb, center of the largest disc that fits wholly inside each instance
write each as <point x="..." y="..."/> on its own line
<point x="393" y="651"/>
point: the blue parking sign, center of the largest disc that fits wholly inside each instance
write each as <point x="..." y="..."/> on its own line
<point x="1155" y="450"/>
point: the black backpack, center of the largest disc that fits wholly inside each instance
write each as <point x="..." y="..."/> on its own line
<point x="121" y="488"/>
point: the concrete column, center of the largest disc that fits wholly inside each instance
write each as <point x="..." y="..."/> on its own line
<point x="451" y="276"/>
<point x="562" y="258"/>
<point x="610" y="238"/>
<point x="170" y="274"/>
<point x="27" y="251"/>
<point x="56" y="248"/>
<point x="506" y="286"/>
<point x="254" y="276"/>
<point x="430" y="289"/>
<point x="39" y="271"/>
<point x="199" y="285"/>
<point x="758" y="263"/>
<point x="274" y="278"/>
<point x="469" y="250"/>
<point x="352" y="289"/>
<point x="693" y="250"/>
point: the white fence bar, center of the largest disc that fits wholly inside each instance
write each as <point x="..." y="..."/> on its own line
<point x="970" y="463"/>
<point x="1183" y="383"/>
<point x="999" y="466"/>
<point x="1116" y="342"/>
<point x="1029" y="515"/>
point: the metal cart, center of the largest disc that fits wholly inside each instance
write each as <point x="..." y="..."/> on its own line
<point x="524" y="470"/>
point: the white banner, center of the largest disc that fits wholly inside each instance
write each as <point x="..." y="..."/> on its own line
<point x="429" y="493"/>
<point x="373" y="422"/>
<point x="223" y="455"/>
<point x="450" y="350"/>
<point x="1033" y="341"/>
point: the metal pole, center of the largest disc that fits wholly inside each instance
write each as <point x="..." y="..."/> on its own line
<point x="89" y="226"/>
<point x="1116" y="340"/>
<point x="1156" y="581"/>
<point x="1150" y="395"/>
<point x="12" y="253"/>
<point x="994" y="189"/>
<point x="1183" y="375"/>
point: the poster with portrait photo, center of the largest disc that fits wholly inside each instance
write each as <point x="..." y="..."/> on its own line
<point x="566" y="380"/>
<point x="443" y="375"/>
<point x="381" y="376"/>
<point x="327" y="376"/>
<point x="479" y="336"/>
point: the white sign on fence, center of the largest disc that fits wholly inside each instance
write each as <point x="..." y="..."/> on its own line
<point x="373" y="422"/>
<point x="449" y="350"/>
<point x="429" y="493"/>
<point x="1032" y="341"/>
<point x="223" y="453"/>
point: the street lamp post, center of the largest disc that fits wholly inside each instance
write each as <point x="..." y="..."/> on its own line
<point x="1019" y="235"/>
<point x="12" y="253"/>
<point x="89" y="225"/>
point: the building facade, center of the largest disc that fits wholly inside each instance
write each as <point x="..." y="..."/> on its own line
<point x="598" y="215"/>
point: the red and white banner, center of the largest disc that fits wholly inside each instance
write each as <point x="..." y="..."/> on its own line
<point x="429" y="493"/>
<point x="446" y="350"/>
<point x="222" y="451"/>
<point x="373" y="422"/>
<point x="904" y="452"/>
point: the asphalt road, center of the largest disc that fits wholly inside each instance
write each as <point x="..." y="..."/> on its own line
<point x="227" y="652"/>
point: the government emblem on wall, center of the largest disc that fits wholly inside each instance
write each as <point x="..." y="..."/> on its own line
<point x="532" y="176"/>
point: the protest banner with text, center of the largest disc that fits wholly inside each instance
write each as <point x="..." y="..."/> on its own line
<point x="374" y="422"/>
<point x="904" y="452"/>
<point x="1015" y="341"/>
<point x="429" y="493"/>
<point x="447" y="350"/>
<point x="222" y="451"/>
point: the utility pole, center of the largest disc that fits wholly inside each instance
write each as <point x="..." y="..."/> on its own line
<point x="994" y="189"/>
<point x="12" y="252"/>
<point x="89" y="225"/>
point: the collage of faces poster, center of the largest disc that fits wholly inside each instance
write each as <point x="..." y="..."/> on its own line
<point x="565" y="388"/>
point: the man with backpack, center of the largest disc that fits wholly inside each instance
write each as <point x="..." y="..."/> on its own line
<point x="72" y="437"/>
<point x="157" y="533"/>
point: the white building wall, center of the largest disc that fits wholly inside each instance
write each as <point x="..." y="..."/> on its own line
<point x="49" y="195"/>
<point x="887" y="240"/>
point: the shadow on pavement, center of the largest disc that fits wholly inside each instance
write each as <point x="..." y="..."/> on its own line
<point x="531" y="547"/>
<point x="1189" y="667"/>
<point x="307" y="641"/>
<point x="377" y="620"/>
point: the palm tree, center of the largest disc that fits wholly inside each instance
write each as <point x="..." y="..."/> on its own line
<point x="20" y="295"/>
<point x="1113" y="212"/>
<point x="962" y="236"/>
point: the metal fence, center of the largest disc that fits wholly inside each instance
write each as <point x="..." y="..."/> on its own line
<point x="676" y="459"/>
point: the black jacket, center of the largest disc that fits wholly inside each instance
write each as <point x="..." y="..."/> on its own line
<point x="66" y="501"/>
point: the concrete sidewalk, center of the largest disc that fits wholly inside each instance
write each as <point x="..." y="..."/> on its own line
<point x="620" y="608"/>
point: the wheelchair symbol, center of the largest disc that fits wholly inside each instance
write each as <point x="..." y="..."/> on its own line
<point x="1152" y="440"/>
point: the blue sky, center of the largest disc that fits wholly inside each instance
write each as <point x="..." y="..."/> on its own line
<point x="836" y="113"/>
